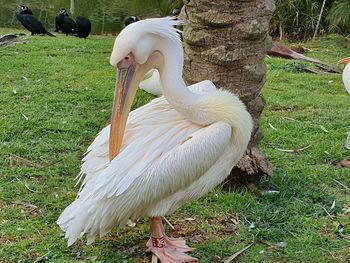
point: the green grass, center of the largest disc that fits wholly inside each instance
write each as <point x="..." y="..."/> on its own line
<point x="64" y="86"/>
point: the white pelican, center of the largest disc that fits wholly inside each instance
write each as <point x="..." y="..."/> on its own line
<point x="346" y="81"/>
<point x="170" y="151"/>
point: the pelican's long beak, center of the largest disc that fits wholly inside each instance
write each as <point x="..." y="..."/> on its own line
<point x="343" y="61"/>
<point x="130" y="74"/>
<point x="125" y="89"/>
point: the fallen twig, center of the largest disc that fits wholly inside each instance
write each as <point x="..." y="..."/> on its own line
<point x="333" y="205"/>
<point x="167" y="221"/>
<point x="272" y="127"/>
<point x="43" y="258"/>
<point x="269" y="192"/>
<point x="330" y="216"/>
<point x="235" y="255"/>
<point x="288" y="118"/>
<point x="50" y="164"/>
<point x="271" y="245"/>
<point x="294" y="150"/>
<point x="25" y="117"/>
<point x="27" y="186"/>
<point x="18" y="160"/>
<point x="323" y="129"/>
<point x="343" y="185"/>
<point x="25" y="204"/>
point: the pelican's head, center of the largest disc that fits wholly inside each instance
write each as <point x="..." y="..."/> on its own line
<point x="138" y="48"/>
<point x="343" y="61"/>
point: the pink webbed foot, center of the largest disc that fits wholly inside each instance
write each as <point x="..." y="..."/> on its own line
<point x="177" y="243"/>
<point x="166" y="253"/>
<point x="167" y="250"/>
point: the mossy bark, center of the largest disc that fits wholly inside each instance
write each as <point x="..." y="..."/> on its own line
<point x="226" y="41"/>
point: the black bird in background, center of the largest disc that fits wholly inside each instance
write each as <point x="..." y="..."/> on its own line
<point x="83" y="26"/>
<point x="176" y="12"/>
<point x="25" y="10"/>
<point x="64" y="23"/>
<point x="131" y="19"/>
<point x="25" y="16"/>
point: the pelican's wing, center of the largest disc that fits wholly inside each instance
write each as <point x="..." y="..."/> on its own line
<point x="160" y="157"/>
<point x="97" y="157"/>
<point x="160" y="166"/>
<point x="151" y="83"/>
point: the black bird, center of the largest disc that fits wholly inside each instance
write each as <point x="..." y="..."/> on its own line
<point x="176" y="12"/>
<point x="25" y="10"/>
<point x="83" y="26"/>
<point x="25" y="16"/>
<point x="64" y="23"/>
<point x="131" y="19"/>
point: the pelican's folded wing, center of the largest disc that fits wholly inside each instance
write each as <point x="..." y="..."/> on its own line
<point x="123" y="191"/>
<point x="96" y="158"/>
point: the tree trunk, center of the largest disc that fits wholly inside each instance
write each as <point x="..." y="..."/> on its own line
<point x="225" y="41"/>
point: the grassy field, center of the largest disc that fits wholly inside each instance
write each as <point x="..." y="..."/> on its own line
<point x="56" y="94"/>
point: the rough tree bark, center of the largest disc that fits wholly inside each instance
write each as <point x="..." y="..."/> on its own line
<point x="225" y="41"/>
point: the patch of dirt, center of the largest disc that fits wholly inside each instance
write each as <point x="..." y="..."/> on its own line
<point x="220" y="226"/>
<point x="27" y="208"/>
<point x="190" y="228"/>
<point x="6" y="240"/>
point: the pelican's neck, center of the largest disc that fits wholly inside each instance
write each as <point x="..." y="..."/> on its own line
<point x="174" y="88"/>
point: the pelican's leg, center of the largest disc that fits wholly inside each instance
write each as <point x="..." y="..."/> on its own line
<point x="157" y="245"/>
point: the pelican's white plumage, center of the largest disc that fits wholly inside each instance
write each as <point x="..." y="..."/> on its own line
<point x="346" y="81"/>
<point x="151" y="83"/>
<point x="346" y="77"/>
<point x="175" y="148"/>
